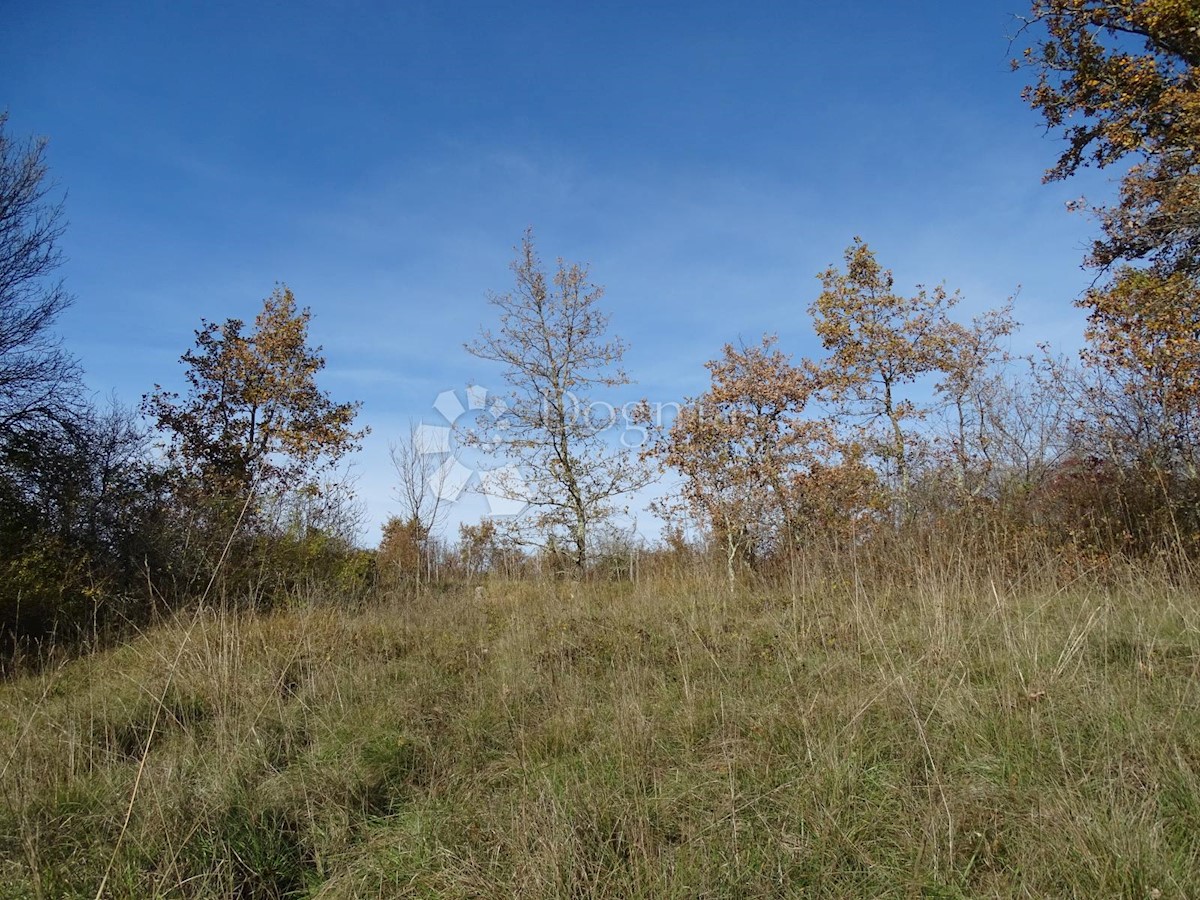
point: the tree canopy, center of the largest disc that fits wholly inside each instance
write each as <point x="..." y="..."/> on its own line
<point x="254" y="413"/>
<point x="1121" y="80"/>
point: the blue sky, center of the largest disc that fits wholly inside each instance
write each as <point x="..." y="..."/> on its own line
<point x="706" y="159"/>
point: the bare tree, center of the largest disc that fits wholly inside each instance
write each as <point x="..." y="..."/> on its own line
<point x="421" y="460"/>
<point x="38" y="380"/>
<point x="972" y="380"/>
<point x="553" y="345"/>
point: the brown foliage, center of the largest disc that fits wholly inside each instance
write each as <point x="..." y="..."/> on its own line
<point x="254" y="414"/>
<point x="401" y="551"/>
<point x="1145" y="337"/>
<point x="878" y="343"/>
<point x="1121" y="78"/>
<point x="1122" y="81"/>
<point x="758" y="471"/>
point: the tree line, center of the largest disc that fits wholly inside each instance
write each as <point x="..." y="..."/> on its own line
<point x="912" y="423"/>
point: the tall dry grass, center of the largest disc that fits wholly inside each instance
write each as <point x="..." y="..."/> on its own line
<point x="886" y="724"/>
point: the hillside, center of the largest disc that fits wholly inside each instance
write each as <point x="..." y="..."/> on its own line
<point x="657" y="740"/>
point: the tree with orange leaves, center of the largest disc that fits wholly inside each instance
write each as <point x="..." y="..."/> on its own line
<point x="254" y="415"/>
<point x="1121" y="80"/>
<point x="1145" y="337"/>
<point x="758" y="469"/>
<point x="879" y="343"/>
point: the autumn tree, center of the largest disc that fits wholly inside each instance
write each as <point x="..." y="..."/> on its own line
<point x="254" y="417"/>
<point x="553" y="342"/>
<point x="759" y="469"/>
<point x="488" y="547"/>
<point x="880" y="342"/>
<point x="401" y="554"/>
<point x="1121" y="80"/>
<point x="478" y="546"/>
<point x="1145" y="338"/>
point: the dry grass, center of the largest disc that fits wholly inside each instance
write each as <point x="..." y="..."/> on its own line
<point x="931" y="735"/>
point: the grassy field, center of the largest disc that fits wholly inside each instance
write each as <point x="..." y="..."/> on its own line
<point x="916" y="738"/>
